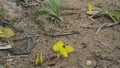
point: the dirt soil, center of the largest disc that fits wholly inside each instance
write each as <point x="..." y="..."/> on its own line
<point x="100" y="47"/>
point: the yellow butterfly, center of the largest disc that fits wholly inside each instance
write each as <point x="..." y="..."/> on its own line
<point x="69" y="48"/>
<point x="57" y="45"/>
<point x="62" y="49"/>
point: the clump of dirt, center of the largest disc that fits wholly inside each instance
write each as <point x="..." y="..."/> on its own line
<point x="92" y="50"/>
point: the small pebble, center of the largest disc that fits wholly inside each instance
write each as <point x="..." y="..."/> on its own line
<point x="89" y="62"/>
<point x="84" y="44"/>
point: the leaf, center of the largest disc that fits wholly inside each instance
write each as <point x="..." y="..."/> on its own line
<point x="69" y="48"/>
<point x="58" y="4"/>
<point x="1" y="10"/>
<point x="37" y="59"/>
<point x="46" y="11"/>
<point x="118" y="5"/>
<point x="55" y="5"/>
<point x="63" y="52"/>
<point x="6" y="32"/>
<point x="58" y="45"/>
<point x="116" y="15"/>
<point x="52" y="5"/>
<point x="41" y="57"/>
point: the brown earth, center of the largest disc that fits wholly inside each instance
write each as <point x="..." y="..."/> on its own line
<point x="100" y="48"/>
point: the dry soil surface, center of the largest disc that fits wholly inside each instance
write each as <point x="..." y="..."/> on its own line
<point x="99" y="48"/>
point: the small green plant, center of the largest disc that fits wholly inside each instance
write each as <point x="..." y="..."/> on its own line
<point x="1" y="10"/>
<point x="118" y="5"/>
<point x="114" y="15"/>
<point x="53" y="11"/>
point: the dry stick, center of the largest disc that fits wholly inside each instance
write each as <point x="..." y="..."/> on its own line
<point x="112" y="24"/>
<point x="104" y="25"/>
<point x="100" y="28"/>
<point x="99" y="57"/>
<point x="9" y="56"/>
<point x="92" y="19"/>
<point x="91" y="26"/>
<point x="63" y="34"/>
<point x="104" y="44"/>
<point x="96" y="22"/>
<point x="109" y="25"/>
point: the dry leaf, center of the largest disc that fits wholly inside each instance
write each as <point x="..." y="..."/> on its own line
<point x="10" y="32"/>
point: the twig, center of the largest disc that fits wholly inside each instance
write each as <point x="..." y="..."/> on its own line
<point x="9" y="56"/>
<point x="100" y="28"/>
<point x="64" y="34"/>
<point x="84" y="26"/>
<point x="104" y="44"/>
<point x="112" y="24"/>
<point x="64" y="8"/>
<point x="92" y="19"/>
<point x="105" y="25"/>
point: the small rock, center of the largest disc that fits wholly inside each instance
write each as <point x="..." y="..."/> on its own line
<point x="88" y="62"/>
<point x="84" y="44"/>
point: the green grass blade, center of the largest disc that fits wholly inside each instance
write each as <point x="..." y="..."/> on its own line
<point x="58" y="4"/>
<point x="52" y="5"/>
<point x="1" y="10"/>
<point x="55" y="5"/>
<point x="45" y="10"/>
<point x="118" y="5"/>
<point x="112" y="17"/>
<point x="109" y="14"/>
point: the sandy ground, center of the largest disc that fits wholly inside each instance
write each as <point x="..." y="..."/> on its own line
<point x="101" y="48"/>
